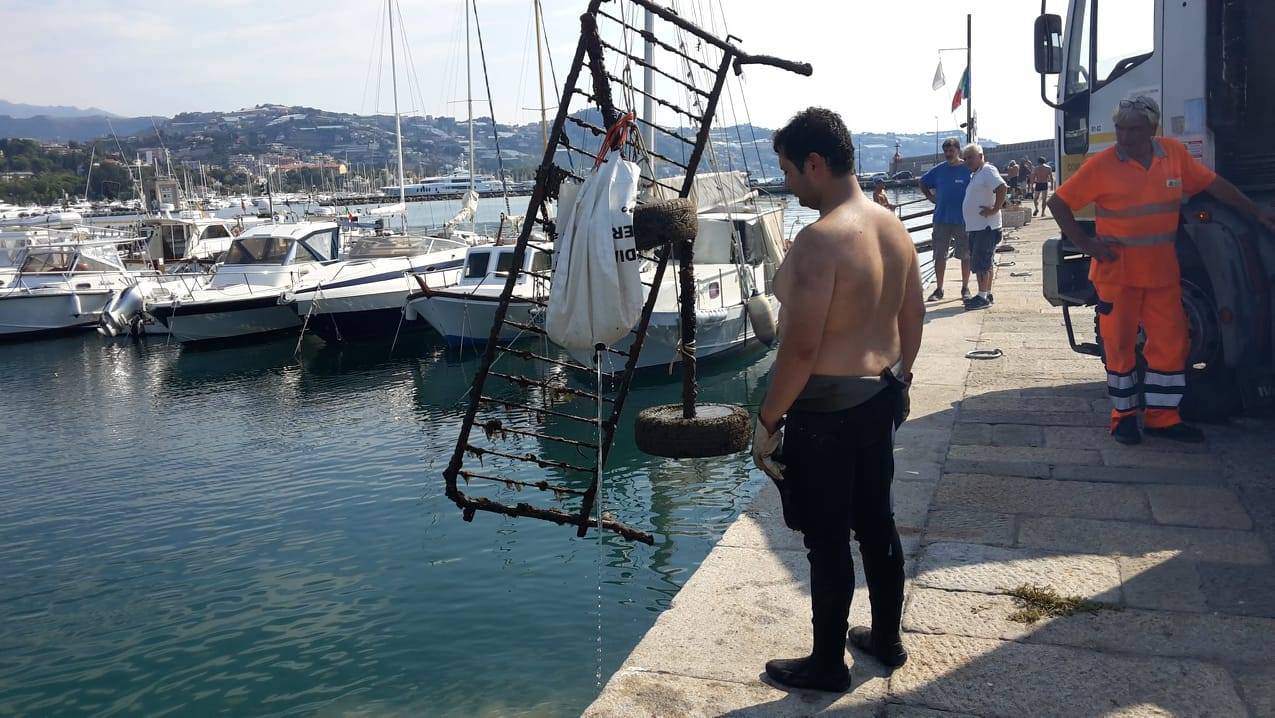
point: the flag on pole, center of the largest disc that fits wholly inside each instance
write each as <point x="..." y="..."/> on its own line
<point x="939" y="79"/>
<point x="962" y="91"/>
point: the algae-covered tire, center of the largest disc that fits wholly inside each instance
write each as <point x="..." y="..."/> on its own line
<point x="658" y="223"/>
<point x="716" y="430"/>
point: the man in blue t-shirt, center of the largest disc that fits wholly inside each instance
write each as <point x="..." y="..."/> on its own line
<point x="944" y="185"/>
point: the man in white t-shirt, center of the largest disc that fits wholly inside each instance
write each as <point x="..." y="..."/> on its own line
<point x="984" y="198"/>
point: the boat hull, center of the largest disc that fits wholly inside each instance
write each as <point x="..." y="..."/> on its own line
<point x="468" y="322"/>
<point x="227" y="319"/>
<point x="26" y="316"/>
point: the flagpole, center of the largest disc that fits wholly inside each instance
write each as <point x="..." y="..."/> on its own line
<point x="969" y="77"/>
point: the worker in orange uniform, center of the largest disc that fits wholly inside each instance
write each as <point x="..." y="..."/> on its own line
<point x="1138" y="187"/>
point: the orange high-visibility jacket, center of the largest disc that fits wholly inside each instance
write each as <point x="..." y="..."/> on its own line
<point x="1137" y="208"/>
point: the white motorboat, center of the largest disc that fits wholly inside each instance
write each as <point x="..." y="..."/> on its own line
<point x="457" y="182"/>
<point x="189" y="238"/>
<point x="363" y="295"/>
<point x="245" y="296"/>
<point x="464" y="312"/>
<point x="60" y="287"/>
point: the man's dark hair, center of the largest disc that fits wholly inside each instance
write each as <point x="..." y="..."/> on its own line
<point x="822" y="132"/>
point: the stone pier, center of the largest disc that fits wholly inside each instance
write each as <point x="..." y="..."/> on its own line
<point x="1006" y="478"/>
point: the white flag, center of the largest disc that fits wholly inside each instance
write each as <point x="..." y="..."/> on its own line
<point x="939" y="79"/>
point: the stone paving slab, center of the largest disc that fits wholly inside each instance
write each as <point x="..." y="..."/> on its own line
<point x="1012" y="495"/>
<point x="1005" y="678"/>
<point x="1210" y="636"/>
<point x="1203" y="506"/>
<point x="1134" y="539"/>
<point x="992" y="569"/>
<point x="968" y="526"/>
<point x="645" y="694"/>
<point x="1163" y="580"/>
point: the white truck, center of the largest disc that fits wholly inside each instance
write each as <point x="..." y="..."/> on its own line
<point x="1211" y="66"/>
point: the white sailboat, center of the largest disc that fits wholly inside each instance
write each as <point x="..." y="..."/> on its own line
<point x="364" y="295"/>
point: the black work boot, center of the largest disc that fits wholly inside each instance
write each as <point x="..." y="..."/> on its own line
<point x="889" y="651"/>
<point x="1126" y="431"/>
<point x="808" y="674"/>
<point x="1178" y="432"/>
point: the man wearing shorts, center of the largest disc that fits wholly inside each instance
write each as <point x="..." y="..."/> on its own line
<point x="984" y="199"/>
<point x="944" y="185"/>
<point x="1043" y="180"/>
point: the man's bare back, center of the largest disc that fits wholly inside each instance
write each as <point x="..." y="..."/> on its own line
<point x="873" y="265"/>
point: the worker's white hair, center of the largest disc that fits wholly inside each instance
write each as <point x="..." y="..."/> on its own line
<point x="974" y="147"/>
<point x="1137" y="106"/>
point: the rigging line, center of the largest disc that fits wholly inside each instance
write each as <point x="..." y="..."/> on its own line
<point x="744" y="97"/>
<point x="553" y="74"/>
<point x="376" y="49"/>
<point x="491" y="109"/>
<point x="730" y="97"/>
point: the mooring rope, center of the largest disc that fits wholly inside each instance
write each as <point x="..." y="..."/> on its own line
<point x="601" y="499"/>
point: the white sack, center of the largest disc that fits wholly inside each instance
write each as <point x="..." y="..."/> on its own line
<point x="596" y="294"/>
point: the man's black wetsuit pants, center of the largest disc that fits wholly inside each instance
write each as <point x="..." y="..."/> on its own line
<point x="842" y="466"/>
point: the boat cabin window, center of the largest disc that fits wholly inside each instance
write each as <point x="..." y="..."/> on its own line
<point x="476" y="265"/>
<point x="504" y="262"/>
<point x="259" y="250"/>
<point x="216" y="231"/>
<point x="322" y="245"/>
<point x="540" y="262"/>
<point x="48" y="262"/>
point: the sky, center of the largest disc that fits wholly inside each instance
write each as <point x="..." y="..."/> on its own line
<point x="874" y="60"/>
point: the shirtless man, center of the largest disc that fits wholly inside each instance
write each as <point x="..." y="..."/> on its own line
<point x="851" y="328"/>
<point x="878" y="194"/>
<point x="1043" y="184"/>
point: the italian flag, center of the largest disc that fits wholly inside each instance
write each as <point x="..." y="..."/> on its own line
<point x="962" y="91"/>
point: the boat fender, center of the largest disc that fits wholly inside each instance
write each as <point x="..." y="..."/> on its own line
<point x="410" y="313"/>
<point x="762" y="318"/>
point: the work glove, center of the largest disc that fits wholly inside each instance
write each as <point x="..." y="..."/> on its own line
<point x="765" y="444"/>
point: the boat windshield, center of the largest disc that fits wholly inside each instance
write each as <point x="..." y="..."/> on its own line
<point x="259" y="250"/>
<point x="374" y="247"/>
<point x="63" y="261"/>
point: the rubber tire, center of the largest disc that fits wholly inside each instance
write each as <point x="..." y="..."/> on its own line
<point x="661" y="431"/>
<point x="658" y="223"/>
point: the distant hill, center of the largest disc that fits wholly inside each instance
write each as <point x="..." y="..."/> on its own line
<point x="19" y="110"/>
<point x="63" y="129"/>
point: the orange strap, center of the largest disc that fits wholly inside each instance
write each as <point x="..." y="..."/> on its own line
<point x="615" y="137"/>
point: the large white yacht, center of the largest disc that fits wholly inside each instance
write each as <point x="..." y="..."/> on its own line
<point x="455" y="183"/>
<point x="246" y="294"/>
<point x="464" y="311"/>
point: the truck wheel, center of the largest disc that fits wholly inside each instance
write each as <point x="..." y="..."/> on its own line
<point x="1212" y="392"/>
<point x="1212" y="396"/>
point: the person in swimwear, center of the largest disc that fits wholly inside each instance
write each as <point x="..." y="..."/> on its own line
<point x="851" y="319"/>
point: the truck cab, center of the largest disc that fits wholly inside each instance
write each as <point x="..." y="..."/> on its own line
<point x="1211" y="68"/>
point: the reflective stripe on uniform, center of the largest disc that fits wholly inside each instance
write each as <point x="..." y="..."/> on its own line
<point x="1125" y="403"/>
<point x="1123" y="390"/>
<point x="1142" y="240"/>
<point x="1140" y="210"/>
<point x="1164" y="390"/>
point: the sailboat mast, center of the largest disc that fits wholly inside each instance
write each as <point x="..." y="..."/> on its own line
<point x="398" y="122"/>
<point x="540" y="69"/>
<point x="648" y="101"/>
<point x="89" y="174"/>
<point x="469" y="96"/>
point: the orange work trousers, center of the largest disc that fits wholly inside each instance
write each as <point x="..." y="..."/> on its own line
<point x="1158" y="310"/>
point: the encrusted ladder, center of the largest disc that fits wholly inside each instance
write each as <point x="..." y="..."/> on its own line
<point x="523" y="396"/>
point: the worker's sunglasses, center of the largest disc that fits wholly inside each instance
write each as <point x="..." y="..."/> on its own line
<point x="1131" y="104"/>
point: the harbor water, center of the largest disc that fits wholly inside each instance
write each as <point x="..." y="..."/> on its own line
<point x="261" y="530"/>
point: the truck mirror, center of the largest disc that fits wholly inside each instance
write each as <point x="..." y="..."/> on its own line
<point x="1048" y="44"/>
